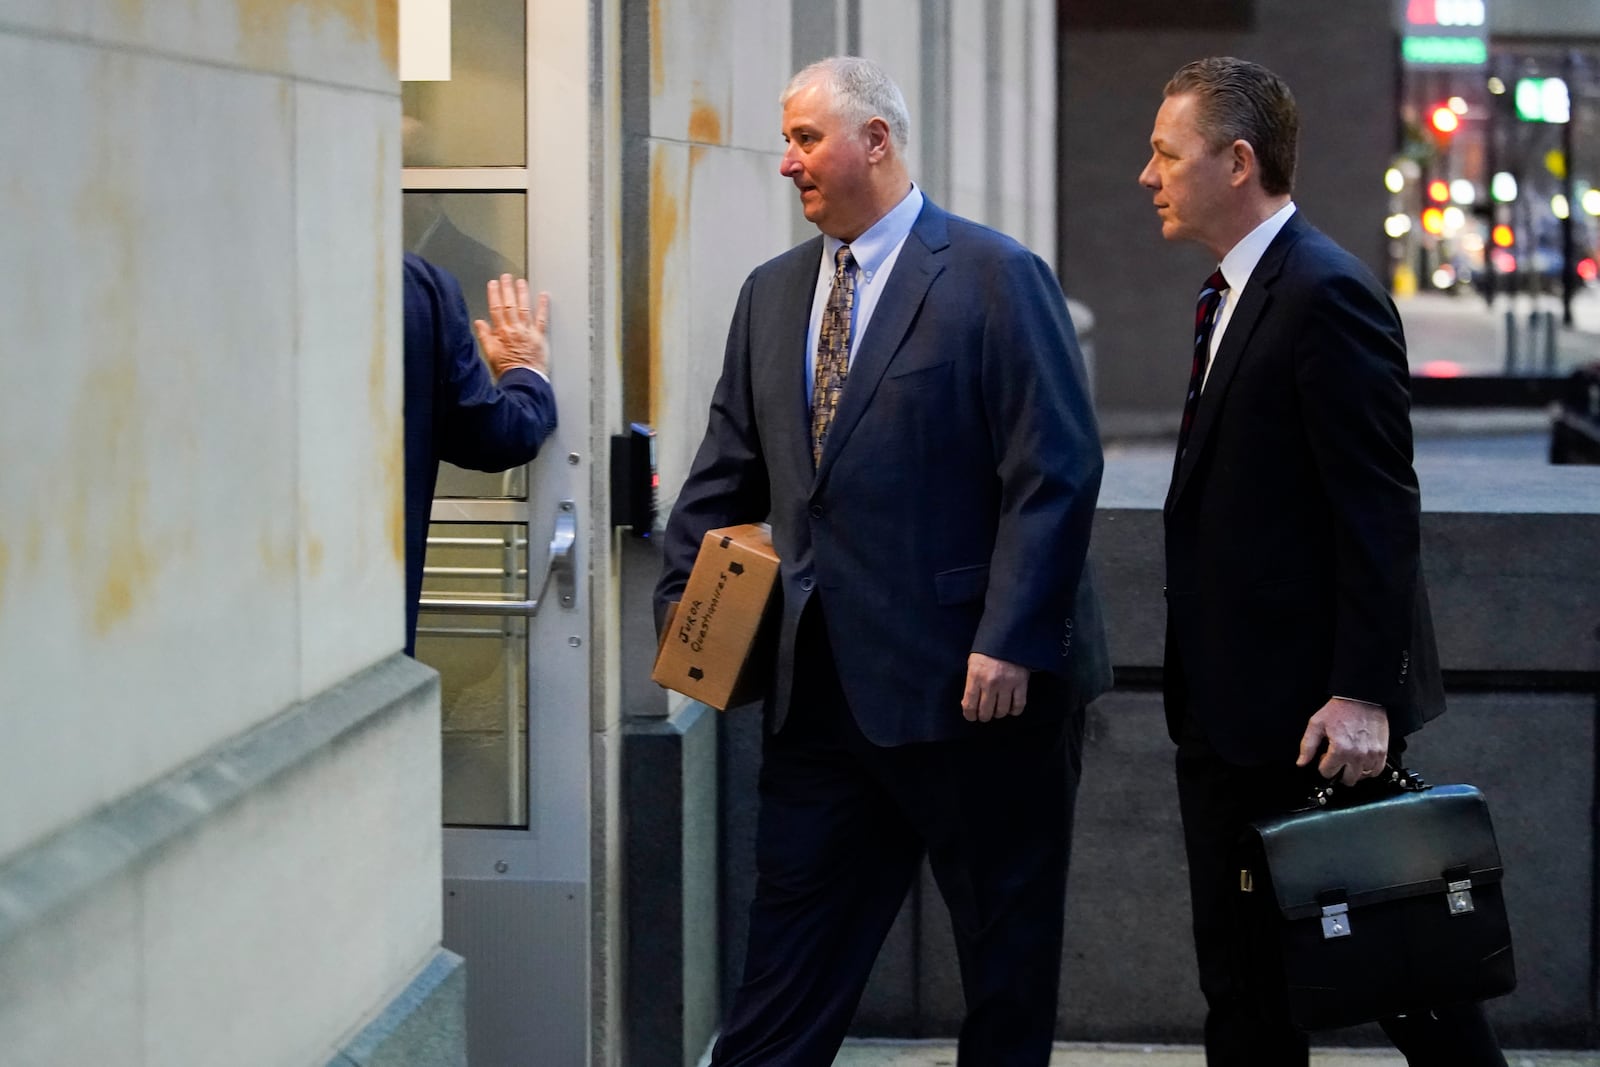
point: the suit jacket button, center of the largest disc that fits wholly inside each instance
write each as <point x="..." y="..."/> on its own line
<point x="816" y="511"/>
<point x="806" y="584"/>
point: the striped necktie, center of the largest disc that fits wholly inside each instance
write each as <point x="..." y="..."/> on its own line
<point x="1205" y="317"/>
<point x="833" y="351"/>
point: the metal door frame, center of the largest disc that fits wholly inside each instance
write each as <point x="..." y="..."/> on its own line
<point x="535" y="884"/>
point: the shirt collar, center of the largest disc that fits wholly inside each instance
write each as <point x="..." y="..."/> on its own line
<point x="873" y="247"/>
<point x="1241" y="260"/>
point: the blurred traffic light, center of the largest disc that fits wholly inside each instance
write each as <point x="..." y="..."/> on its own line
<point x="1433" y="221"/>
<point x="1439" y="191"/>
<point x="1444" y="121"/>
<point x="1502" y="236"/>
<point x="1588" y="269"/>
<point x="1543" y="100"/>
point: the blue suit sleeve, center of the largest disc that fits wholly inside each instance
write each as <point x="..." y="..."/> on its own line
<point x="727" y="484"/>
<point x="1355" y="390"/>
<point x="479" y="424"/>
<point x="1048" y="459"/>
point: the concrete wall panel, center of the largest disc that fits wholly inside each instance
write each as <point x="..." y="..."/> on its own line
<point x="249" y="940"/>
<point x="201" y="526"/>
<point x="148" y="308"/>
<point x="891" y="36"/>
<point x="715" y="215"/>
<point x="969" y="110"/>
<point x="344" y="42"/>
<point x="93" y="951"/>
<point x="351" y="534"/>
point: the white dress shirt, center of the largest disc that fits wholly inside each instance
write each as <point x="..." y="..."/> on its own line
<point x="875" y="253"/>
<point x="1236" y="267"/>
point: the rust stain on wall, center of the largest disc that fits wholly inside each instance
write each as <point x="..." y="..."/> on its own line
<point x="106" y="516"/>
<point x="264" y="26"/>
<point x="277" y="555"/>
<point x="705" y="123"/>
<point x="263" y="31"/>
<point x="663" y="232"/>
<point x="132" y="11"/>
<point x="130" y="566"/>
<point x="658" y="70"/>
<point x="388" y="27"/>
<point x="386" y="419"/>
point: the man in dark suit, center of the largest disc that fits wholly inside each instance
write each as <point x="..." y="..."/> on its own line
<point x="454" y="410"/>
<point x="903" y="398"/>
<point x="1299" y="641"/>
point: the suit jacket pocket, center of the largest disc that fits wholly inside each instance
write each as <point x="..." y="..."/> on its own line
<point x="910" y="374"/>
<point x="961" y="584"/>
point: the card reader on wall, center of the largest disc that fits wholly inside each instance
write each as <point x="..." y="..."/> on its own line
<point x="634" y="480"/>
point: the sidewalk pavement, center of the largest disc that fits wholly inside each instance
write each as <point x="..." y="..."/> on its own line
<point x="1445" y="336"/>
<point x="1461" y="334"/>
<point x="867" y="1053"/>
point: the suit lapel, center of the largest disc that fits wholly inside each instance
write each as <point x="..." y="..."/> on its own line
<point x="1246" y="317"/>
<point x="919" y="263"/>
<point x="790" y="327"/>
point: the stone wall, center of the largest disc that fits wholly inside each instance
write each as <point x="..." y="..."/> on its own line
<point x="218" y="797"/>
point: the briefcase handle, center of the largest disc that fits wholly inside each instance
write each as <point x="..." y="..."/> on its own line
<point x="1391" y="781"/>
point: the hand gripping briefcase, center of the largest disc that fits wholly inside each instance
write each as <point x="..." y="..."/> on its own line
<point x="1379" y="908"/>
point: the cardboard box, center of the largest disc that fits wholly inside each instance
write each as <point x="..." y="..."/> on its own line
<point x="717" y="642"/>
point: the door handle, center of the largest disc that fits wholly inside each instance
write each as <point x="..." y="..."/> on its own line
<point x="563" y="555"/>
<point x="561" y="567"/>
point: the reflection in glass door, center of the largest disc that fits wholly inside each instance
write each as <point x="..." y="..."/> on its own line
<point x="482" y="663"/>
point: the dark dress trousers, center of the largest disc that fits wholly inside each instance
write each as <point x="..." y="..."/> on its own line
<point x="1293" y="575"/>
<point x="454" y="411"/>
<point x="950" y="514"/>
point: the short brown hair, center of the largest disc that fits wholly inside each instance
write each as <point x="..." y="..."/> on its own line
<point x="1244" y="101"/>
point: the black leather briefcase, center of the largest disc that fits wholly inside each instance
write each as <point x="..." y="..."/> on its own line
<point x="1379" y="908"/>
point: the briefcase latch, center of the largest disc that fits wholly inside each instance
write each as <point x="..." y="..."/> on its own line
<point x="1335" y="921"/>
<point x="1459" y="896"/>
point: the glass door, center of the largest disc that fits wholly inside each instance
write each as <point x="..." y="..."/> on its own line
<point x="505" y="618"/>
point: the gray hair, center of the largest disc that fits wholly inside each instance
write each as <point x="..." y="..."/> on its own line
<point x="861" y="90"/>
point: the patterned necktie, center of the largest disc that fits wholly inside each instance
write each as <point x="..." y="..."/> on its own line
<point x="1205" y="316"/>
<point x="833" y="351"/>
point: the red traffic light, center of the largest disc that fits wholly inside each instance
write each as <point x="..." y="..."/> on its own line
<point x="1443" y="120"/>
<point x="1439" y="191"/>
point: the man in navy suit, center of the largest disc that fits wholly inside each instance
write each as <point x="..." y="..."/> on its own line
<point x="454" y="410"/>
<point x="903" y="398"/>
<point x="1299" y="642"/>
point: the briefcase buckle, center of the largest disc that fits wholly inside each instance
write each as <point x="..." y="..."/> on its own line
<point x="1459" y="896"/>
<point x="1335" y="921"/>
